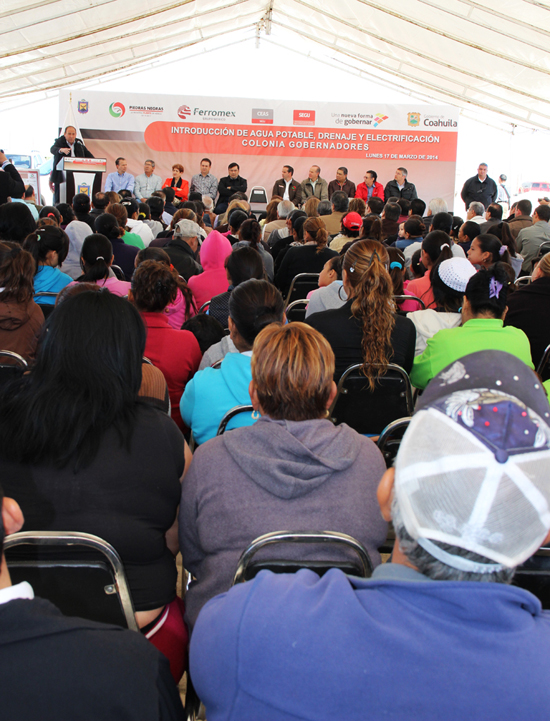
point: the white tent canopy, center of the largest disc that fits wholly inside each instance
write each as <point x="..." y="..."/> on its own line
<point x="491" y="56"/>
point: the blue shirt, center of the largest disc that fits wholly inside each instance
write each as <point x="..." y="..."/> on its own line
<point x="117" y="182"/>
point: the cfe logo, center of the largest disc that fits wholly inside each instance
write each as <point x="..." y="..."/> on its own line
<point x="184" y="111"/>
<point x="379" y="118"/>
<point x="117" y="110"/>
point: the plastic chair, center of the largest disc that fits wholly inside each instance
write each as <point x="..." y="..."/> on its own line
<point x="390" y="439"/>
<point x="228" y="417"/>
<point x="369" y="412"/>
<point x="258" y="198"/>
<point x="296" y="311"/>
<point x="301" y="285"/>
<point x="80" y="573"/>
<point x="246" y="570"/>
<point x="8" y="371"/>
<point x="401" y="298"/>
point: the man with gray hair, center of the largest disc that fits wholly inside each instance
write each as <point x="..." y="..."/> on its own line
<point x="400" y="187"/>
<point x="147" y="183"/>
<point x="284" y="209"/>
<point x="438" y="632"/>
<point x="476" y="213"/>
<point x="183" y="248"/>
<point x="480" y="188"/>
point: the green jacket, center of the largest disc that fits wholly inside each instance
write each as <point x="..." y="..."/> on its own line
<point x="450" y="344"/>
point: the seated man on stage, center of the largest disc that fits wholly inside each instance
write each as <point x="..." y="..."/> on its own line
<point x="66" y="145"/>
<point x="121" y="180"/>
<point x="438" y="632"/>
<point x="228" y="186"/>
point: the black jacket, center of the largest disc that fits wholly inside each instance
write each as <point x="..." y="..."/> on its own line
<point x="392" y="191"/>
<point x="529" y="310"/>
<point x="183" y="258"/>
<point x="10" y="183"/>
<point x="79" y="669"/>
<point x="80" y="151"/>
<point x="474" y="190"/>
<point x="344" y="332"/>
<point x="228" y="186"/>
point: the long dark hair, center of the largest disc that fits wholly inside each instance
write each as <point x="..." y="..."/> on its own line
<point x="253" y="305"/>
<point x="85" y="380"/>
<point x="161" y="256"/>
<point x="251" y="231"/>
<point x="45" y="239"/>
<point x="96" y="254"/>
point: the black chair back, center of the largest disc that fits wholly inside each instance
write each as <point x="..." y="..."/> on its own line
<point x="390" y="439"/>
<point x="12" y="365"/>
<point x="79" y="573"/>
<point x="296" y="311"/>
<point x="534" y="576"/>
<point x="370" y="411"/>
<point x="301" y="285"/>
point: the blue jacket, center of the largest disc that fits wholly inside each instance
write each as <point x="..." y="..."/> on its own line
<point x="396" y="646"/>
<point x="213" y="392"/>
<point x="50" y="280"/>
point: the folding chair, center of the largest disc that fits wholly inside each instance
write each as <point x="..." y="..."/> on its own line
<point x="246" y="569"/>
<point x="119" y="273"/>
<point x="258" y="198"/>
<point x="523" y="280"/>
<point x="534" y="576"/>
<point x="301" y="285"/>
<point x="230" y="415"/>
<point x="390" y="439"/>
<point x="204" y="307"/>
<point x="296" y="311"/>
<point x="369" y="412"/>
<point x="543" y="361"/>
<point x="11" y="370"/>
<point x="80" y="573"/>
<point x="402" y="298"/>
<point x="47" y="308"/>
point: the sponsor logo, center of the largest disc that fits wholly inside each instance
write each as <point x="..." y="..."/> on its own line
<point x="184" y="111"/>
<point x="379" y="119"/>
<point x="439" y="121"/>
<point x="146" y="109"/>
<point x="263" y="116"/>
<point x="84" y="188"/>
<point x="83" y="106"/>
<point x="117" y="110"/>
<point x="304" y="117"/>
<point x="209" y="114"/>
<point x="413" y="119"/>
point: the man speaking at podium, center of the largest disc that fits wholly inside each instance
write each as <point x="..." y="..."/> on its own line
<point x="67" y="145"/>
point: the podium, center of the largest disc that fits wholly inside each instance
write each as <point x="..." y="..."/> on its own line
<point x="82" y="175"/>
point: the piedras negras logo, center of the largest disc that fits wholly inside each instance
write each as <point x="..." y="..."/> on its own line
<point x="117" y="110"/>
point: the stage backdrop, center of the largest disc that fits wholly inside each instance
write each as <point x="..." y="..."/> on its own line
<point x="263" y="135"/>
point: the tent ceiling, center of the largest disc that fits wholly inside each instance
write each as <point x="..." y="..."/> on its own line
<point x="491" y="55"/>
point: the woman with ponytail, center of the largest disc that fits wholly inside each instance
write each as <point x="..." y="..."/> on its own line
<point x="21" y="319"/>
<point x="483" y="311"/>
<point x="49" y="247"/>
<point x="436" y="247"/>
<point x="366" y="329"/>
<point x="487" y="249"/>
<point x="123" y="255"/>
<point x="250" y="235"/>
<point x="184" y="306"/>
<point x="96" y="261"/>
<point x="175" y="352"/>
<point x="307" y="258"/>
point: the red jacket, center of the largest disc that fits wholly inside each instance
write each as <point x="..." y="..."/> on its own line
<point x="363" y="192"/>
<point x="182" y="192"/>
<point x="175" y="352"/>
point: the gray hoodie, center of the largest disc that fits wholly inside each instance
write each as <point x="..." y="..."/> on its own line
<point x="273" y="476"/>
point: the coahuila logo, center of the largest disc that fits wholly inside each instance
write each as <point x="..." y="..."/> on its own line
<point x="117" y="110"/>
<point x="379" y="118"/>
<point x="413" y="119"/>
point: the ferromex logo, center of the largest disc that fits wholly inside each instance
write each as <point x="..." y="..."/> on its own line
<point x="304" y="117"/>
<point x="262" y="115"/>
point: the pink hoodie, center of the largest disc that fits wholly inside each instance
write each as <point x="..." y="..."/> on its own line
<point x="213" y="280"/>
<point x="176" y="311"/>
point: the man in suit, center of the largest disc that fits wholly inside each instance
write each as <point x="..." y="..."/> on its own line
<point x="287" y="188"/>
<point x="66" y="145"/>
<point x="10" y="180"/>
<point x="77" y="668"/>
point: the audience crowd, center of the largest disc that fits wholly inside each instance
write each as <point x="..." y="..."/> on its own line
<point x="146" y="313"/>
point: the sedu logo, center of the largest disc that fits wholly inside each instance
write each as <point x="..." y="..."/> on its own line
<point x="184" y="111"/>
<point x="117" y="110"/>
